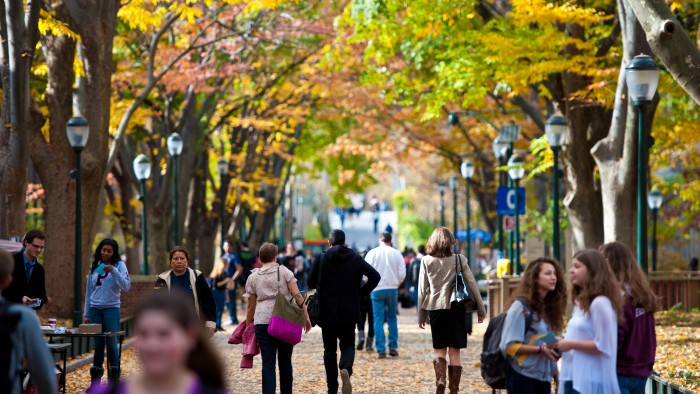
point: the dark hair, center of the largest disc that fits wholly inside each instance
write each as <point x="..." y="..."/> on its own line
<point x="267" y="252"/>
<point x="29" y="237"/>
<point x="421" y="249"/>
<point x="628" y="273"/>
<point x="202" y="360"/>
<point x="97" y="257"/>
<point x="7" y="265"/>
<point x="336" y="237"/>
<point x="440" y="243"/>
<point x="385" y="237"/>
<point x="601" y="281"/>
<point x="553" y="306"/>
<point x="179" y="249"/>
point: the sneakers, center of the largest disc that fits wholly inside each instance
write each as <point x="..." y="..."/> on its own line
<point x="393" y="352"/>
<point x="345" y="379"/>
<point x="369" y="344"/>
<point x="381" y="355"/>
<point x="360" y="344"/>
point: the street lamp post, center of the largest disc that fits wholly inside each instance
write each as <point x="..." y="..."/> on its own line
<point x="222" y="166"/>
<point x="655" y="200"/>
<point x="555" y="129"/>
<point x="175" y="143"/>
<point x="467" y="170"/>
<point x="500" y="151"/>
<point x="142" y="169"/>
<point x="77" y="130"/>
<point x="516" y="170"/>
<point x="441" y="189"/>
<point x="453" y="183"/>
<point x="642" y="76"/>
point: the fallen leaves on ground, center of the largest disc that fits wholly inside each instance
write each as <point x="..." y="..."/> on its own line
<point x="678" y="348"/>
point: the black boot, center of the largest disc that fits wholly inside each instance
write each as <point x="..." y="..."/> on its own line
<point x="113" y="374"/>
<point x="95" y="377"/>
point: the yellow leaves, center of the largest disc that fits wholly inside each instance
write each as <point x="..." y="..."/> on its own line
<point x="143" y="15"/>
<point x="49" y="24"/>
<point x="542" y="12"/>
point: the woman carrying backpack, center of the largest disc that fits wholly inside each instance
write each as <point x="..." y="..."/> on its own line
<point x="636" y="336"/>
<point x="589" y="347"/>
<point x="536" y="312"/>
<point x="448" y="320"/>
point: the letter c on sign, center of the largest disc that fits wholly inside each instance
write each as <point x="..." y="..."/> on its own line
<point x="510" y="198"/>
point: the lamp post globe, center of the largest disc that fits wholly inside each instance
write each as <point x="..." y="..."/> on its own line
<point x="516" y="171"/>
<point x="222" y="166"/>
<point x="516" y="168"/>
<point x="453" y="119"/>
<point x="642" y="77"/>
<point x="655" y="200"/>
<point x="77" y="131"/>
<point x="467" y="169"/>
<point x="142" y="170"/>
<point x="175" y="145"/>
<point x="556" y="130"/>
<point x="499" y="148"/>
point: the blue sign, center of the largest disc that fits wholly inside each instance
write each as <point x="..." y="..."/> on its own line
<point x="505" y="204"/>
<point x="474" y="234"/>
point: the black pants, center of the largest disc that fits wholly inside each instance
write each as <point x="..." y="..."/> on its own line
<point x="269" y="348"/>
<point x="366" y="315"/>
<point x="520" y="384"/>
<point x="332" y="334"/>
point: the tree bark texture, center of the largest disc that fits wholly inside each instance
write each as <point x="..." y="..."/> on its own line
<point x="669" y="41"/>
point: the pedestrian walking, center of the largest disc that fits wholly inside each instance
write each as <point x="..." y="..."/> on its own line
<point x="540" y="300"/>
<point x="636" y="335"/>
<point x="413" y="273"/>
<point x="107" y="279"/>
<point x="448" y="320"/>
<point x="219" y="281"/>
<point x="233" y="270"/>
<point x="589" y="347"/>
<point x="261" y="290"/>
<point x="385" y="297"/>
<point x="21" y="339"/>
<point x="28" y="284"/>
<point x="366" y="316"/>
<point x="181" y="278"/>
<point x="338" y="273"/>
<point x="174" y="354"/>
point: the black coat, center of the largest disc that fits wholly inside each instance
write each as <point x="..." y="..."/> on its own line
<point x="201" y="291"/>
<point x="35" y="288"/>
<point x="341" y="284"/>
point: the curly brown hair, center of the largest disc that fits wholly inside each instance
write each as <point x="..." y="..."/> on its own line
<point x="553" y="306"/>
<point x="601" y="282"/>
<point x="628" y="274"/>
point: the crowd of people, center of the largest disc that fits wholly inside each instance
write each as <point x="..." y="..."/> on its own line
<point x="608" y="344"/>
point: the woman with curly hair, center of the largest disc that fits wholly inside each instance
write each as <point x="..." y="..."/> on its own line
<point x="590" y="345"/>
<point x="636" y="336"/>
<point x="541" y="299"/>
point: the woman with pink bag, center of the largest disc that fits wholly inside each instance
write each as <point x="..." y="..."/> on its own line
<point x="261" y="288"/>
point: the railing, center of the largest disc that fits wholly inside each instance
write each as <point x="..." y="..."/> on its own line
<point x="656" y="385"/>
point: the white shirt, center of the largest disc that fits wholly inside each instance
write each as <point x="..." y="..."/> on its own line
<point x="390" y="265"/>
<point x="592" y="373"/>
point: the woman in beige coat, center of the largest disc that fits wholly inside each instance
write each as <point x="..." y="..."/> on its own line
<point x="448" y="321"/>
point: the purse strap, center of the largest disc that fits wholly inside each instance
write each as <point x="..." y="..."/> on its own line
<point x="457" y="271"/>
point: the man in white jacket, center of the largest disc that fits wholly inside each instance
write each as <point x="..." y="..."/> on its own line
<point x="385" y="297"/>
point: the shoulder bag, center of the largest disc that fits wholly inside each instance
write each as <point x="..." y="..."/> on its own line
<point x="462" y="296"/>
<point x="287" y="321"/>
<point x="313" y="303"/>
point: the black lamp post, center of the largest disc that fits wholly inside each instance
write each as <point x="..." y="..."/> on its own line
<point x="77" y="130"/>
<point x="453" y="183"/>
<point x="467" y="170"/>
<point x="142" y="170"/>
<point x="642" y="77"/>
<point x="175" y="144"/>
<point x="222" y="167"/>
<point x="516" y="170"/>
<point x="555" y="129"/>
<point x="500" y="151"/>
<point x="441" y="189"/>
<point x="655" y="200"/>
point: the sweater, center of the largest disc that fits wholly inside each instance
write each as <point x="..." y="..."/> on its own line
<point x="245" y="334"/>
<point x="390" y="264"/>
<point x="436" y="285"/>
<point x="104" y="291"/>
<point x="636" y="342"/>
<point x="203" y="299"/>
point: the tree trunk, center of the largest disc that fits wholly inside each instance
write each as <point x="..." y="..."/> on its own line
<point x="669" y="41"/>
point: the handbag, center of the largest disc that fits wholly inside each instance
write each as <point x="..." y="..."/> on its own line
<point x="462" y="296"/>
<point x="313" y="302"/>
<point x="287" y="320"/>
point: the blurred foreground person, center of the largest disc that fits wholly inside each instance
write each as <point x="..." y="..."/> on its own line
<point x="175" y="355"/>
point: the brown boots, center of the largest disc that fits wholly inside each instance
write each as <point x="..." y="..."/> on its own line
<point x="455" y="373"/>
<point x="440" y="365"/>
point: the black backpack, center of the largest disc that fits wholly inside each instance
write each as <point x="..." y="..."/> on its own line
<point x="8" y="323"/>
<point x="494" y="365"/>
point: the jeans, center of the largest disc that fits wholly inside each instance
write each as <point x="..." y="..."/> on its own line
<point x="569" y="387"/>
<point x="220" y="300"/>
<point x="385" y="303"/>
<point x="109" y="318"/>
<point x="521" y="384"/>
<point x="231" y="304"/>
<point x="631" y="384"/>
<point x="271" y="347"/>
<point x="335" y="336"/>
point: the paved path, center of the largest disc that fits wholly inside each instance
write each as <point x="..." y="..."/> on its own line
<point x="412" y="372"/>
<point x="359" y="231"/>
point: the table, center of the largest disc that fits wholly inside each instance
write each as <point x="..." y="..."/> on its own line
<point x="62" y="349"/>
<point x="70" y="335"/>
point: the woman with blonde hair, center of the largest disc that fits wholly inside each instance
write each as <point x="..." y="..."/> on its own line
<point x="540" y="300"/>
<point x="636" y="336"/>
<point x="217" y="282"/>
<point x="448" y="320"/>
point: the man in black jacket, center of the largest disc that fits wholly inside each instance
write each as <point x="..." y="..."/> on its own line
<point x="28" y="285"/>
<point x="338" y="273"/>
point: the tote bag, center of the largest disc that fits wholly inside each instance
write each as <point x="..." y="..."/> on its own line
<point x="462" y="296"/>
<point x="287" y="321"/>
